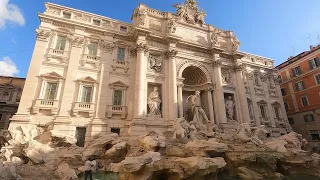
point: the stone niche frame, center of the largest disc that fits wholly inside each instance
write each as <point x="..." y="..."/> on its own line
<point x="236" y="107"/>
<point x="150" y="86"/>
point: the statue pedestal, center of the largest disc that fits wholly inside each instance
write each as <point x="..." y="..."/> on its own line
<point x="137" y="127"/>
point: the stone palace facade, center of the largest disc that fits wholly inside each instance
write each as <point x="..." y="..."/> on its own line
<point x="90" y="74"/>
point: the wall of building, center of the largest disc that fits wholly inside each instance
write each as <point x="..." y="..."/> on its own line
<point x="311" y="90"/>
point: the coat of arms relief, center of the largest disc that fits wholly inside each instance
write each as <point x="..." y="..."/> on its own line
<point x="190" y="13"/>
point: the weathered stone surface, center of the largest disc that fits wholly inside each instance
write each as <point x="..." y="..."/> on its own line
<point x="153" y="141"/>
<point x="117" y="153"/>
<point x="133" y="164"/>
<point x="277" y="145"/>
<point x="65" y="172"/>
<point x="99" y="145"/>
<point x="209" y="148"/>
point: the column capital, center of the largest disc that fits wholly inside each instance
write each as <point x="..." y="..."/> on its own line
<point x="216" y="63"/>
<point x="172" y="53"/>
<point x="180" y="85"/>
<point x="142" y="47"/>
<point x="107" y="47"/>
<point x="238" y="68"/>
<point x="43" y="35"/>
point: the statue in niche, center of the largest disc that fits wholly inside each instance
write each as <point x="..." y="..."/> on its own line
<point x="200" y="119"/>
<point x="154" y="102"/>
<point x="230" y="108"/>
<point x="155" y="63"/>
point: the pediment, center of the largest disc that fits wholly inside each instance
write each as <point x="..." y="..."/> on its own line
<point x="275" y="103"/>
<point x="88" y="79"/>
<point x="118" y="84"/>
<point x="53" y="75"/>
<point x="262" y="102"/>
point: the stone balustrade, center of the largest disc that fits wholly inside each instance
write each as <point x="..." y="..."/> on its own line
<point x="117" y="110"/>
<point x="120" y="64"/>
<point x="47" y="103"/>
<point x="58" y="53"/>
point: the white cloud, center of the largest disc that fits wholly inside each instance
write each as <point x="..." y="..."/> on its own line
<point x="10" y="13"/>
<point x="8" y="67"/>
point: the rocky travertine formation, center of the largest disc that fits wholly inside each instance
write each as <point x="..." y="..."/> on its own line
<point x="33" y="152"/>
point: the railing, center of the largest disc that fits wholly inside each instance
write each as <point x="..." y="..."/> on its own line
<point x="91" y="57"/>
<point x="84" y="106"/>
<point x="58" y="53"/>
<point x="114" y="109"/>
<point x="120" y="64"/>
<point x="47" y="103"/>
<point x="265" y="121"/>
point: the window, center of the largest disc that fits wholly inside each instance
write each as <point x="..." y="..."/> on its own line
<point x="115" y="130"/>
<point x="50" y="92"/>
<point x="250" y="108"/>
<point x="308" y="118"/>
<point x="263" y="111"/>
<point x="304" y="101"/>
<point x="120" y="56"/>
<point x="92" y="49"/>
<point x="96" y="22"/>
<point x="117" y="97"/>
<point x="277" y="112"/>
<point x="314" y="63"/>
<point x="300" y="86"/>
<point x="283" y="91"/>
<point x="86" y="94"/>
<point x="61" y="43"/>
<point x="256" y="78"/>
<point x="291" y="121"/>
<point x="67" y="15"/>
<point x="296" y="71"/>
<point x="279" y="79"/>
<point x="286" y="105"/>
<point x="318" y="78"/>
<point x="123" y="29"/>
<point x="314" y="135"/>
<point x="0" y="117"/>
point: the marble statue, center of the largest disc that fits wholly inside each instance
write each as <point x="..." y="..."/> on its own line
<point x="230" y="108"/>
<point x="200" y="17"/>
<point x="154" y="102"/>
<point x="200" y="119"/>
<point x="256" y="135"/>
<point x="178" y="130"/>
<point x="180" y="10"/>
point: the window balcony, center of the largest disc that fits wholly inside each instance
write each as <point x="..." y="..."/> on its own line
<point x="90" y="59"/>
<point x="265" y="121"/>
<point x="120" y="64"/>
<point x="279" y="122"/>
<point x="84" y="107"/>
<point x="46" y="104"/>
<point x="117" y="110"/>
<point x="57" y="53"/>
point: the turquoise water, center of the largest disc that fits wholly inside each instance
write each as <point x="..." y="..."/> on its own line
<point x="102" y="176"/>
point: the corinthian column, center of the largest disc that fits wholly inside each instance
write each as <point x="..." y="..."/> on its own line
<point x="218" y="93"/>
<point x="210" y="104"/>
<point x="173" y="100"/>
<point x="180" y="101"/>
<point x="140" y="83"/>
<point x="242" y="95"/>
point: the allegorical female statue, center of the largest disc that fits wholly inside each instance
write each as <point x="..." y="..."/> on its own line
<point x="154" y="102"/>
<point x="230" y="108"/>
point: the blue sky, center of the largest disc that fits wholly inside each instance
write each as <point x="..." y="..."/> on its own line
<point x="272" y="28"/>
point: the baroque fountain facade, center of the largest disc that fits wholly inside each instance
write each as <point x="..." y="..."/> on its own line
<point x="166" y="97"/>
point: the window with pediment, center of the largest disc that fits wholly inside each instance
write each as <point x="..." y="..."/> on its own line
<point x="277" y="110"/>
<point x="50" y="86"/>
<point x="263" y="109"/>
<point x="118" y="105"/>
<point x="86" y="89"/>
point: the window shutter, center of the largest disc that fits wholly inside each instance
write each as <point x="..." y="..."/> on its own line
<point x="318" y="78"/>
<point x="302" y="84"/>
<point x="297" y="87"/>
<point x="293" y="72"/>
<point x="299" y="70"/>
<point x="317" y="61"/>
<point x="63" y="43"/>
<point x="311" y="64"/>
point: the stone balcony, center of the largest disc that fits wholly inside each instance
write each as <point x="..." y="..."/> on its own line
<point x="117" y="110"/>
<point x="58" y="54"/>
<point x="120" y="64"/>
<point x="83" y="107"/>
<point x="279" y="122"/>
<point x="90" y="59"/>
<point x="46" y="104"/>
<point x="265" y="121"/>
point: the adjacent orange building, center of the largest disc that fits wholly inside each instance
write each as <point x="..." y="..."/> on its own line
<point x="300" y="87"/>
